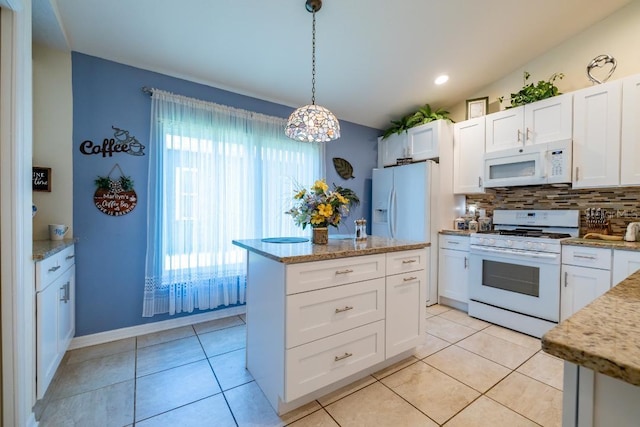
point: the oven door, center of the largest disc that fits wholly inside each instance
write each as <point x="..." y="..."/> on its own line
<point x="521" y="281"/>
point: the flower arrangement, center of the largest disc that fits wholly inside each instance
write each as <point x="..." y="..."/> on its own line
<point x="321" y="207"/>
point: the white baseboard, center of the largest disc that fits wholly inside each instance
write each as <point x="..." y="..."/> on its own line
<point x="148" y="328"/>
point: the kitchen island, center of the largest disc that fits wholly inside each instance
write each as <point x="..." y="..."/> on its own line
<point x="601" y="348"/>
<point x="322" y="316"/>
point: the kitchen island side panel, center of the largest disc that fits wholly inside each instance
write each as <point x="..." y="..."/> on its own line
<point x="266" y="325"/>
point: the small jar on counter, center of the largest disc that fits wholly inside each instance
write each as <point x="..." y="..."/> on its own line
<point x="473" y="226"/>
<point x="459" y="224"/>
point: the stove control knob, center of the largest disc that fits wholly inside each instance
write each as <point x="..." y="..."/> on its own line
<point x="492" y="241"/>
<point x="542" y="245"/>
<point x="509" y="243"/>
<point x="481" y="240"/>
<point x="528" y="245"/>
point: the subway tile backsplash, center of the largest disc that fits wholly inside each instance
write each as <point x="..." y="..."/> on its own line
<point x="622" y="204"/>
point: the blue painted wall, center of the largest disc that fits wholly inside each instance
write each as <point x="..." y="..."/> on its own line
<point x="110" y="256"/>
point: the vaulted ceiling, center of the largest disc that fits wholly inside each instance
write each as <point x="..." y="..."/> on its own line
<point x="376" y="59"/>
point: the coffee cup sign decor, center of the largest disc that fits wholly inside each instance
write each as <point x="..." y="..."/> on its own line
<point x="115" y="196"/>
<point x="601" y="61"/>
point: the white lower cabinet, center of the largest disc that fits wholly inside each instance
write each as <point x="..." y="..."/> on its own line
<point x="453" y="268"/>
<point x="586" y="274"/>
<point x="312" y="326"/>
<point x="625" y="263"/>
<point x="592" y="399"/>
<point x="55" y="314"/>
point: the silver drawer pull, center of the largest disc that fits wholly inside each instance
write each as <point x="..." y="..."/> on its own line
<point x="409" y="261"/>
<point x="346" y="308"/>
<point x="451" y="242"/>
<point x="584" y="256"/>
<point x="347" y="271"/>
<point x="409" y="279"/>
<point x="70" y="257"/>
<point x="54" y="268"/>
<point x="344" y="356"/>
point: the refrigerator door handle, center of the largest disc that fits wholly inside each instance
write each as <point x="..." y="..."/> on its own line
<point x="392" y="214"/>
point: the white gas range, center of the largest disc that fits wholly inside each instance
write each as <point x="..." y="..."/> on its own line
<point x="515" y="269"/>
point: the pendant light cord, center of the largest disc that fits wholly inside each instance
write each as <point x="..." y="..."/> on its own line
<point x="313" y="60"/>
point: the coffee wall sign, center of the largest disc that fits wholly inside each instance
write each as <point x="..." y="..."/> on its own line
<point x="115" y="195"/>
<point x="122" y="142"/>
<point x="41" y="179"/>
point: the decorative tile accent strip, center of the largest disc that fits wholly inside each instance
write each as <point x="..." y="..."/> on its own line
<point x="622" y="204"/>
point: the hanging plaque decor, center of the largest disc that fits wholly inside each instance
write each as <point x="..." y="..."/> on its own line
<point x="115" y="195"/>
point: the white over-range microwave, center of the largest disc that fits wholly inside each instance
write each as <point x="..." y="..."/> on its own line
<point x="548" y="163"/>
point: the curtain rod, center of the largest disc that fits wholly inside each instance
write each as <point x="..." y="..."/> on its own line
<point x="147" y="89"/>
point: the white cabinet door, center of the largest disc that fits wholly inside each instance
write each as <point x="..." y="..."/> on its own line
<point x="630" y="140"/>
<point x="453" y="275"/>
<point x="66" y="310"/>
<point x="548" y="120"/>
<point x="468" y="151"/>
<point x="596" y="135"/>
<point x="423" y="141"/>
<point x="47" y="336"/>
<point x="625" y="263"/>
<point x="391" y="149"/>
<point x="405" y="312"/>
<point x="580" y="286"/>
<point x="504" y="129"/>
<point x="453" y="268"/>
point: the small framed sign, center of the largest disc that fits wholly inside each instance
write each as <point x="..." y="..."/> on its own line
<point x="477" y="107"/>
<point x="41" y="179"/>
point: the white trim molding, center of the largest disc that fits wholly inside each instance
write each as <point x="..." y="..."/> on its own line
<point x="149" y="328"/>
<point x="16" y="264"/>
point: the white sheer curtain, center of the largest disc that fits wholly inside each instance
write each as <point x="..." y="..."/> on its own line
<point x="215" y="174"/>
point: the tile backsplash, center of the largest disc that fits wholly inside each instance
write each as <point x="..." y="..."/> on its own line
<point x="622" y="204"/>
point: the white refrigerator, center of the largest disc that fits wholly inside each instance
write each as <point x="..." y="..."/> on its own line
<point x="412" y="202"/>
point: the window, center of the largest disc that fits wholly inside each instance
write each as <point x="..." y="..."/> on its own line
<point x="216" y="174"/>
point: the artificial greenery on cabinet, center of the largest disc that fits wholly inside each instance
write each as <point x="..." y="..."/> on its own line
<point x="422" y="116"/>
<point x="532" y="93"/>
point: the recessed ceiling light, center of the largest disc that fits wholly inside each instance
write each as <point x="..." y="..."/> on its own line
<point x="441" y="79"/>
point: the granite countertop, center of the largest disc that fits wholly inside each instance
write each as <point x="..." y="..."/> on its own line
<point x="607" y="244"/>
<point x="455" y="232"/>
<point x="45" y="248"/>
<point x="604" y="335"/>
<point x="292" y="253"/>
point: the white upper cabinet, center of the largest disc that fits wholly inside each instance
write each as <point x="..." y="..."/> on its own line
<point x="504" y="129"/>
<point x="391" y="149"/>
<point x="630" y="142"/>
<point x="596" y="135"/>
<point x="418" y="143"/>
<point x="468" y="149"/>
<point x="540" y="122"/>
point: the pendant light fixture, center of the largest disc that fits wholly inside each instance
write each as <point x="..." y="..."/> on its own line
<point x="313" y="123"/>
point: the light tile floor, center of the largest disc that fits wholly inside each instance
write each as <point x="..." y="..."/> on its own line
<point x="467" y="373"/>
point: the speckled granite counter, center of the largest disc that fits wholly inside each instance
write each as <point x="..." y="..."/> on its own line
<point x="605" y="335"/>
<point x="45" y="248"/>
<point x="455" y="232"/>
<point x="607" y="244"/>
<point x="292" y="253"/>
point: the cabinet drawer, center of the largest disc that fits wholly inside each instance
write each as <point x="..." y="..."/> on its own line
<point x="318" y="314"/>
<point x="310" y="276"/>
<point x="49" y="269"/>
<point x="405" y="261"/>
<point x="586" y="257"/>
<point x="460" y="243"/>
<point x="323" y="362"/>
